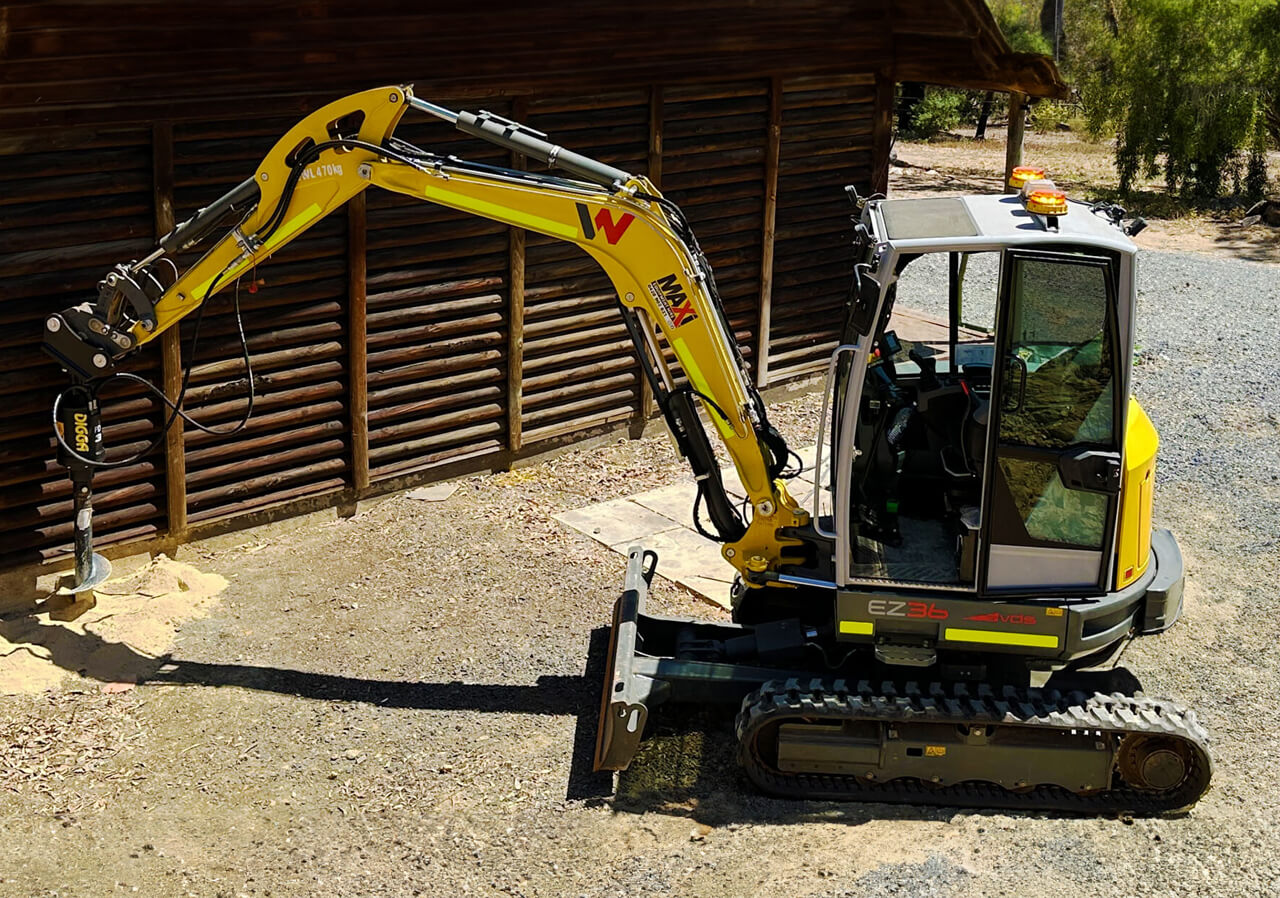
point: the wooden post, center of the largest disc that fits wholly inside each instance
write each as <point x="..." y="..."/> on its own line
<point x="655" y="135"/>
<point x="772" y="154"/>
<point x="515" y="342"/>
<point x="1013" y="143"/>
<point x="882" y="134"/>
<point x="175" y="458"/>
<point x="645" y="408"/>
<point x="515" y="314"/>
<point x="357" y="337"/>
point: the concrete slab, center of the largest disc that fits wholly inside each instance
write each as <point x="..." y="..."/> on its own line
<point x="617" y="522"/>
<point x="801" y="491"/>
<point x="674" y="502"/>
<point x="919" y="327"/>
<point x="691" y="560"/>
<point x="714" y="591"/>
<point x="662" y="520"/>
<point x="437" y="492"/>
<point x="684" y="555"/>
<point x="733" y="483"/>
<point x="806" y="458"/>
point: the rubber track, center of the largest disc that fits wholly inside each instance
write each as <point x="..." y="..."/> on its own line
<point x="970" y="704"/>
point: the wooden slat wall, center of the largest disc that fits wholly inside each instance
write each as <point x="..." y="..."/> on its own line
<point x="296" y="442"/>
<point x="398" y="340"/>
<point x="444" y="379"/>
<point x="69" y="211"/>
<point x="437" y="322"/>
<point x="80" y="62"/>
<point x="580" y="371"/>
<point x="713" y="148"/>
<point x="826" y="143"/>
<point x="89" y="61"/>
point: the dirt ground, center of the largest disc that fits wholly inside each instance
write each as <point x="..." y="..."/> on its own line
<point x="402" y="703"/>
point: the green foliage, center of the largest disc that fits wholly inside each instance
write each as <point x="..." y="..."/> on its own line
<point x="1180" y="81"/>
<point x="1255" y="176"/>
<point x="1048" y="115"/>
<point x="1020" y="23"/>
<point x="1264" y="29"/>
<point x="941" y="110"/>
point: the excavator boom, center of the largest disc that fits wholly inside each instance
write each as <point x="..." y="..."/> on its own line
<point x="664" y="283"/>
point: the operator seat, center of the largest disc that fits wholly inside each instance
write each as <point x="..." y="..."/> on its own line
<point x="974" y="435"/>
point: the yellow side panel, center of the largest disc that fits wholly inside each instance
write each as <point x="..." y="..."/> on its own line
<point x="1137" y="494"/>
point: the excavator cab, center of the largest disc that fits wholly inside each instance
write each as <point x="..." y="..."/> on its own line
<point x="989" y="484"/>
<point x="988" y="460"/>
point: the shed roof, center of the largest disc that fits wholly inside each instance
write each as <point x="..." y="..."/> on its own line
<point x="957" y="42"/>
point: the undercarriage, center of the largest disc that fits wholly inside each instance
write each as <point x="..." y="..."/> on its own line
<point x="818" y="717"/>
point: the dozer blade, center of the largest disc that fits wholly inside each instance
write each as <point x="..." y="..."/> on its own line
<point x="653" y="659"/>
<point x="622" y="706"/>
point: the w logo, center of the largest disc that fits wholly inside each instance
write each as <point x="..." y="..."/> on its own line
<point x="612" y="230"/>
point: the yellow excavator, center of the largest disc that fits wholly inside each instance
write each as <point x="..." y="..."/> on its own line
<point x="936" y="625"/>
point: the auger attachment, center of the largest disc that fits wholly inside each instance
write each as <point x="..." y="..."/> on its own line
<point x="80" y="427"/>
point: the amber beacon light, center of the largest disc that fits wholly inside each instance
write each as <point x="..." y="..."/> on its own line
<point x="1024" y="173"/>
<point x="1047" y="202"/>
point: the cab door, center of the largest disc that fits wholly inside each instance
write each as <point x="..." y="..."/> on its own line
<point x="1053" y="467"/>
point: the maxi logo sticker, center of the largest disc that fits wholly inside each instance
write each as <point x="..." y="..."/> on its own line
<point x="676" y="306"/>
<point x="612" y="230"/>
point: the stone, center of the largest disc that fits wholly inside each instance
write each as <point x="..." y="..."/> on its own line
<point x="1267" y="211"/>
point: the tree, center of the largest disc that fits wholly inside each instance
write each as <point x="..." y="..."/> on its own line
<point x="1265" y="28"/>
<point x="1021" y="25"/>
<point x="1180" y="81"/>
<point x="1019" y="21"/>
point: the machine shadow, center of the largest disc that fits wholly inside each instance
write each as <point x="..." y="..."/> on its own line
<point x="686" y="766"/>
<point x="93" y="657"/>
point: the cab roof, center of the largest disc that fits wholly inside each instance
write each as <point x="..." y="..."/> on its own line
<point x="986" y="222"/>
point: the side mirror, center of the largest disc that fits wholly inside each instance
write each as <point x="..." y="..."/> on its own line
<point x="864" y="298"/>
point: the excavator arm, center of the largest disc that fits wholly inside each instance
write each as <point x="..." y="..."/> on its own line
<point x="639" y="238"/>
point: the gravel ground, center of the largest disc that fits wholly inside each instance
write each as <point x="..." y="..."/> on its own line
<point x="390" y="704"/>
